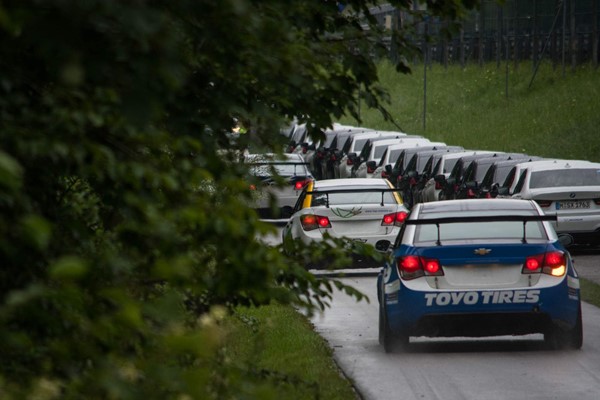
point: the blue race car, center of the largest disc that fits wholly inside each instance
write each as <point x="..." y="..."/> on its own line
<point x="479" y="267"/>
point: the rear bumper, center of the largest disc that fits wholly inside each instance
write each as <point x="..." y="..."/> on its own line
<point x="480" y="312"/>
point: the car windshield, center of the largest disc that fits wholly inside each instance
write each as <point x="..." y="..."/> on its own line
<point x="565" y="177"/>
<point x="472" y="231"/>
<point x="321" y="199"/>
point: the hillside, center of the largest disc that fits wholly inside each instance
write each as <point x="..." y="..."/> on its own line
<point x="556" y="117"/>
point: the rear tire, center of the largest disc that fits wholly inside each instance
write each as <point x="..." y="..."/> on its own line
<point x="558" y="338"/>
<point x="391" y="342"/>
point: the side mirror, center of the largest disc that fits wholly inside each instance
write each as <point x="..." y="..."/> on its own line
<point x="412" y="174"/>
<point x="352" y="156"/>
<point x="471" y="185"/>
<point x="312" y="146"/>
<point x="440" y="178"/>
<point x="388" y="169"/>
<point x="371" y="164"/>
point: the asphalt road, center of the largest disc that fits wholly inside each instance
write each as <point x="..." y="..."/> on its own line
<point x="504" y="367"/>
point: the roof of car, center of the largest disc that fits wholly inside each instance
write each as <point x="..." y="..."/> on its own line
<point x="328" y="183"/>
<point x="560" y="164"/>
<point x="268" y="157"/>
<point x="446" y="206"/>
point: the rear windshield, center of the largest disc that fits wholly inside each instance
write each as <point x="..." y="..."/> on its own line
<point x="565" y="177"/>
<point x="321" y="199"/>
<point x="468" y="231"/>
<point x="378" y="153"/>
<point x="281" y="169"/>
<point x="359" y="144"/>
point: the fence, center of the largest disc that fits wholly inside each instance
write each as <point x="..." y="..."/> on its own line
<point x="562" y="31"/>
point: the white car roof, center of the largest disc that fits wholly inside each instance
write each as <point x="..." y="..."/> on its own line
<point x="558" y="164"/>
<point x="465" y="153"/>
<point x="330" y="183"/>
<point x="458" y="205"/>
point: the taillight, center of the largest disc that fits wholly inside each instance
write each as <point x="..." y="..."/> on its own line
<point x="299" y="185"/>
<point x="488" y="195"/>
<point x="349" y="162"/>
<point x="412" y="182"/>
<point x="384" y="175"/>
<point x="470" y="194"/>
<point x="304" y="150"/>
<point x="311" y="222"/>
<point x="332" y="157"/>
<point x="544" y="203"/>
<point x="370" y="170"/>
<point x="411" y="267"/>
<point x="597" y="201"/>
<point x="394" y="219"/>
<point x="438" y="186"/>
<point x="552" y="263"/>
<point x="252" y="186"/>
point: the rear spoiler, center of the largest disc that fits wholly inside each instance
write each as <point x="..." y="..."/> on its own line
<point x="483" y="218"/>
<point x="326" y="192"/>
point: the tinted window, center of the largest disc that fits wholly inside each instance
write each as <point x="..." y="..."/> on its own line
<point x="565" y="177"/>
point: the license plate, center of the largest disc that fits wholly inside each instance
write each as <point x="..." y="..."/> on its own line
<point x="572" y="205"/>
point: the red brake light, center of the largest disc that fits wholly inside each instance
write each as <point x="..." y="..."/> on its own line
<point x="384" y="175"/>
<point x="409" y="264"/>
<point x="349" y="162"/>
<point x="300" y="184"/>
<point x="438" y="186"/>
<point x="544" y="203"/>
<point x="412" y="267"/>
<point x="394" y="219"/>
<point x="432" y="266"/>
<point x="412" y="182"/>
<point x="370" y="170"/>
<point x="470" y="194"/>
<point x="311" y="222"/>
<point x="488" y="195"/>
<point x="552" y="263"/>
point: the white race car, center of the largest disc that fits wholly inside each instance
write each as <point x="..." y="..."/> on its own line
<point x="362" y="210"/>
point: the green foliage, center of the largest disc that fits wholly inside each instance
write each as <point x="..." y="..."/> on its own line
<point x="278" y="345"/>
<point x="125" y="226"/>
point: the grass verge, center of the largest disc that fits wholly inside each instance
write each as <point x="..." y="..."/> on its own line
<point x="294" y="361"/>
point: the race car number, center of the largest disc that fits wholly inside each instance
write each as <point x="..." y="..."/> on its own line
<point x="477" y="298"/>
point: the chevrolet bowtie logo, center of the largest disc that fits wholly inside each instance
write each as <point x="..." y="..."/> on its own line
<point x="482" y="251"/>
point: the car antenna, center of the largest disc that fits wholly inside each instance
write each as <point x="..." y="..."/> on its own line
<point x="327" y="200"/>
<point x="524" y="240"/>
<point x="438" y="241"/>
